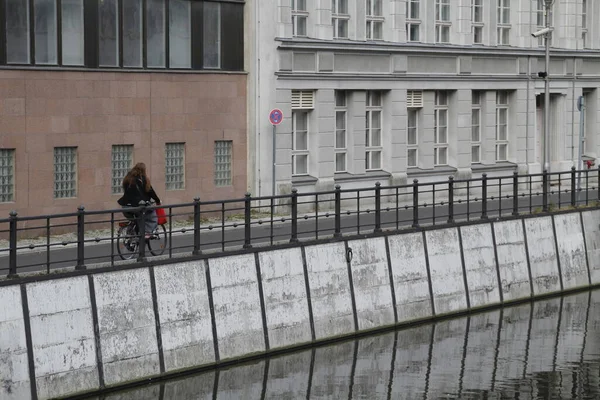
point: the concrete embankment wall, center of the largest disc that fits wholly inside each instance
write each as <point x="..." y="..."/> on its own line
<point x="61" y="335"/>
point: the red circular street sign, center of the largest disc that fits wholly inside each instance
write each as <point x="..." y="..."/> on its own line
<point x="276" y="116"/>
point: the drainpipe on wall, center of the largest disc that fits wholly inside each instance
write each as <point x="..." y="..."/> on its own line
<point x="527" y="115"/>
<point x="573" y="115"/>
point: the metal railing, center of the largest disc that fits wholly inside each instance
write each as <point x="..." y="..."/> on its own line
<point x="44" y="243"/>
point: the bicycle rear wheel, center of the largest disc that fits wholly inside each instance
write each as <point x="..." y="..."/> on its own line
<point x="127" y="242"/>
<point x="157" y="246"/>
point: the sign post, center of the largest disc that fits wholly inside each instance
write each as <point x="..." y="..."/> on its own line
<point x="275" y="117"/>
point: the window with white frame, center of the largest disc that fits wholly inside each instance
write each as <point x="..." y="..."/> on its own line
<point x="341" y="134"/>
<point x="442" y="21"/>
<point x="121" y="163"/>
<point x="299" y="17"/>
<point x="223" y="162"/>
<point x="7" y="175"/>
<point x="175" y="166"/>
<point x="340" y="18"/>
<point x="65" y="172"/>
<point x="540" y="11"/>
<point x="375" y="19"/>
<point x="300" y="152"/>
<point x="476" y="126"/>
<point x="477" y="23"/>
<point x="413" y="21"/>
<point x="440" y="128"/>
<point x="502" y="125"/>
<point x="414" y="102"/>
<point x="373" y="146"/>
<point x="584" y="24"/>
<point x="503" y="20"/>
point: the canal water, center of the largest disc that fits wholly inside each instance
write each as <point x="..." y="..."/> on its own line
<point x="549" y="349"/>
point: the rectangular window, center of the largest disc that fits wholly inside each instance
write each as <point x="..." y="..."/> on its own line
<point x="132" y="33"/>
<point x="65" y="172"/>
<point x="503" y="20"/>
<point x="212" y="35"/>
<point x="412" y="137"/>
<point x="442" y="21"/>
<point x="108" y="17"/>
<point x="502" y="125"/>
<point x="413" y="21"/>
<point x="300" y="151"/>
<point x="477" y="23"/>
<point x="475" y="127"/>
<point x="373" y="131"/>
<point x="45" y="31"/>
<point x="340" y="18"/>
<point x="440" y="128"/>
<point x="223" y="162"/>
<point x="72" y="32"/>
<point x="175" y="166"/>
<point x="375" y="20"/>
<point x="584" y="24"/>
<point x="341" y="135"/>
<point x="299" y="17"/>
<point x="155" y="33"/>
<point x="17" y="31"/>
<point x="122" y="161"/>
<point x="7" y="175"/>
<point x="180" y="34"/>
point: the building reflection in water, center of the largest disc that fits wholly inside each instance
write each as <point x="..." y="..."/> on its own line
<point x="548" y="349"/>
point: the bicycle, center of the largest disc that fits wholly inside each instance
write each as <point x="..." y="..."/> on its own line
<point x="128" y="238"/>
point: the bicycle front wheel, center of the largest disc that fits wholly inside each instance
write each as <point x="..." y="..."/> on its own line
<point x="158" y="245"/>
<point x="127" y="243"/>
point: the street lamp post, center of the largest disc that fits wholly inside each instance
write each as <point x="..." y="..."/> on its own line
<point x="548" y="4"/>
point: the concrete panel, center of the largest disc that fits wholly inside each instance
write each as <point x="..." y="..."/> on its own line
<point x="482" y="342"/>
<point x="373" y="366"/>
<point x="304" y="62"/>
<point x="431" y="65"/>
<point x="366" y="64"/>
<point x="445" y="266"/>
<point x="447" y="356"/>
<point x="238" y="315"/>
<point x="127" y="325"/>
<point x="14" y="367"/>
<point x="371" y="280"/>
<point x="542" y="255"/>
<point x="242" y="382"/>
<point x="571" y="250"/>
<point x="413" y="346"/>
<point x="184" y="313"/>
<point x="197" y="387"/>
<point x="513" y="342"/>
<point x="409" y="272"/>
<point x="591" y="227"/>
<point x="332" y="371"/>
<point x="489" y="65"/>
<point x="329" y="290"/>
<point x="289" y="376"/>
<point x="286" y="302"/>
<point x="480" y="264"/>
<point x="544" y="325"/>
<point x="512" y="260"/>
<point x="62" y="334"/>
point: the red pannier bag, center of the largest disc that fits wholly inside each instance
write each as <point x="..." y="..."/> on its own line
<point x="161" y="215"/>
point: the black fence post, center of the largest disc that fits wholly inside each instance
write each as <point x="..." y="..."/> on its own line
<point x="12" y="237"/>
<point x="377" y="207"/>
<point x="80" y="238"/>
<point x="338" y="212"/>
<point x="142" y="234"/>
<point x="573" y="188"/>
<point x="247" y="227"/>
<point x="545" y="191"/>
<point x="415" y="203"/>
<point x="294" y="237"/>
<point x="515" y="193"/>
<point x="484" y="214"/>
<point x="450" y="199"/>
<point x="196" y="250"/>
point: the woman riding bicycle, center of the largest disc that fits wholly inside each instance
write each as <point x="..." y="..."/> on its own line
<point x="138" y="191"/>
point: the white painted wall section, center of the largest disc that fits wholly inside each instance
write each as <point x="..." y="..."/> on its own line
<point x="591" y="228"/>
<point x="512" y="260"/>
<point x="184" y="313"/>
<point x="371" y="280"/>
<point x="238" y="315"/>
<point x="14" y="367"/>
<point x="127" y="325"/>
<point x="542" y="255"/>
<point x="480" y="264"/>
<point x="445" y="266"/>
<point x="62" y="334"/>
<point x="329" y="290"/>
<point x="286" y="302"/>
<point x="409" y="274"/>
<point x="571" y="250"/>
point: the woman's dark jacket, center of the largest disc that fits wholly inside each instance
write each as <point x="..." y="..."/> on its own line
<point x="133" y="194"/>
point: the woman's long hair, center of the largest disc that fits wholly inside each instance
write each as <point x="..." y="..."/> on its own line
<point x="138" y="171"/>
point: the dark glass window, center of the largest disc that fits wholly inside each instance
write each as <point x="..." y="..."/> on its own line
<point x="108" y="20"/>
<point x="180" y="34"/>
<point x="132" y="33"/>
<point x="72" y="32"/>
<point x="17" y="31"/>
<point x="155" y="33"/>
<point x="45" y="32"/>
<point x="211" y="33"/>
